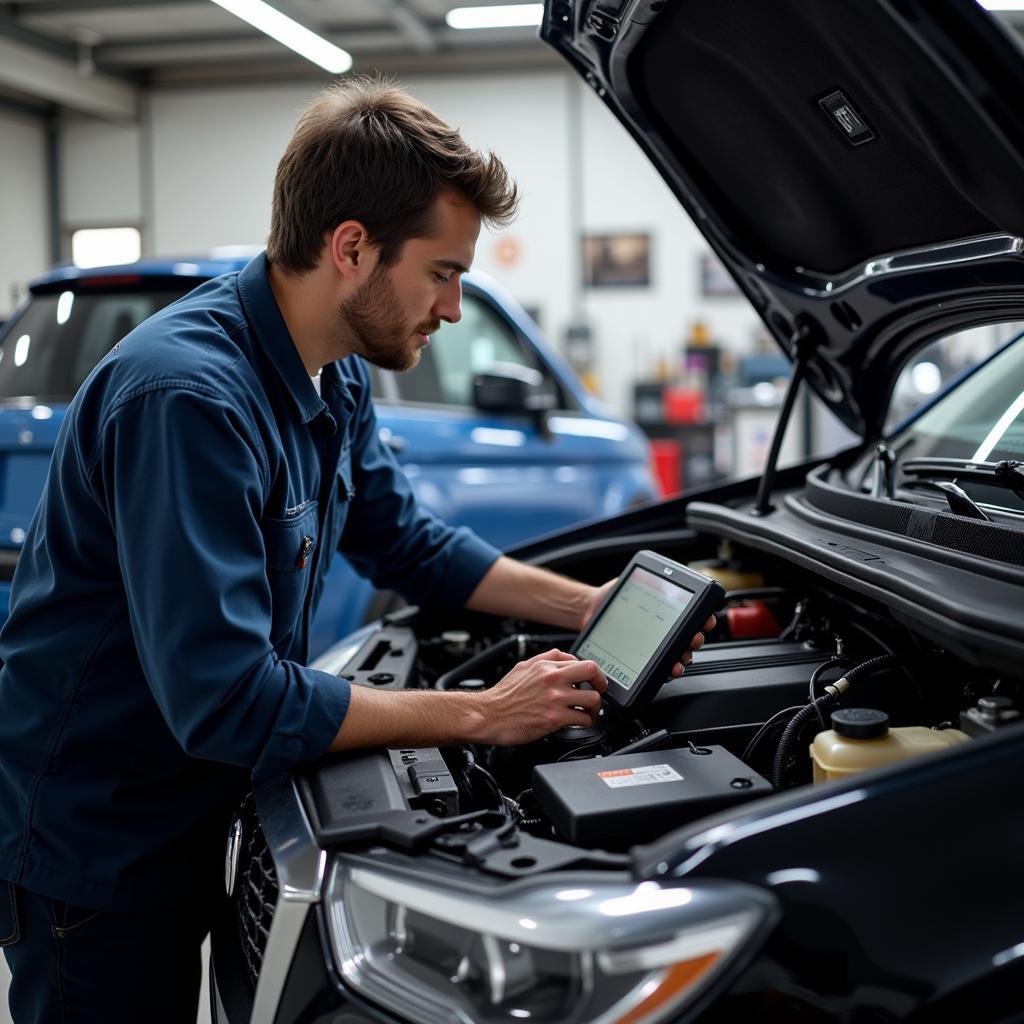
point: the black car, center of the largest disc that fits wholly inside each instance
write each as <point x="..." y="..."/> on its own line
<point x="858" y="167"/>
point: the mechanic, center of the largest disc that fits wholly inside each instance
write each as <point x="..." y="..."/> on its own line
<point x="154" y="657"/>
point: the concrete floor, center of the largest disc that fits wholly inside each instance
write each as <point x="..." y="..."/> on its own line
<point x="204" y="996"/>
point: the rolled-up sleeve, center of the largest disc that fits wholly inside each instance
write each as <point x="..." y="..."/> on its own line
<point x="182" y="478"/>
<point x="392" y="539"/>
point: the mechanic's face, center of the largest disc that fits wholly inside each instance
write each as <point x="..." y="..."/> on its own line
<point x="391" y="315"/>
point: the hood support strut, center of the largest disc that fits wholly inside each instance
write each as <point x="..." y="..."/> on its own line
<point x="804" y="344"/>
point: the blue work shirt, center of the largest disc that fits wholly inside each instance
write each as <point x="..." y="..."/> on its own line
<point x="154" y="654"/>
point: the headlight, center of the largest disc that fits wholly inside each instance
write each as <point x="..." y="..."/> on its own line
<point x="565" y="951"/>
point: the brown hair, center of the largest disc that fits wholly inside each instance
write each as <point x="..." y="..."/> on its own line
<point x="365" y="150"/>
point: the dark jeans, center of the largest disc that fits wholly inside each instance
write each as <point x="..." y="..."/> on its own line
<point x="73" y="965"/>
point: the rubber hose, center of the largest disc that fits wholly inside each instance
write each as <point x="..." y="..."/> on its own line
<point x="789" y="735"/>
<point x="827" y="700"/>
<point x="871" y="664"/>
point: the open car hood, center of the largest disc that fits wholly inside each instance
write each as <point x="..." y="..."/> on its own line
<point x="858" y="167"/>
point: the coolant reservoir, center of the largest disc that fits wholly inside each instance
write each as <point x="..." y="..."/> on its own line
<point x="730" y="577"/>
<point x="860" y="738"/>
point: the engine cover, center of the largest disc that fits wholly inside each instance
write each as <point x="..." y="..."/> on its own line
<point x="733" y="684"/>
<point x="638" y="796"/>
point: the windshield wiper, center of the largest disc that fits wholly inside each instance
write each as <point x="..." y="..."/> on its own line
<point x="959" y="501"/>
<point x="1008" y="474"/>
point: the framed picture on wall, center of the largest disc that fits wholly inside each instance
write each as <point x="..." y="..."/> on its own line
<point x="715" y="281"/>
<point x="617" y="261"/>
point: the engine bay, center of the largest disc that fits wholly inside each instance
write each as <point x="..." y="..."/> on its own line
<point x="750" y="717"/>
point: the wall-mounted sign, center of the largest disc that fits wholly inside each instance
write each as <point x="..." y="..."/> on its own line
<point x="617" y="261"/>
<point x="508" y="250"/>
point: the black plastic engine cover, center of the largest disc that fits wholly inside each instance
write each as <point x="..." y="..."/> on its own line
<point x="638" y="796"/>
<point x="353" y="783"/>
<point x="731" y="684"/>
<point x="355" y="794"/>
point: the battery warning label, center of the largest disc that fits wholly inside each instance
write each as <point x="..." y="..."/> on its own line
<point x="644" y="775"/>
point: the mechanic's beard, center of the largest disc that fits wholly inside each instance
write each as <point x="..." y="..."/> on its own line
<point x="375" y="328"/>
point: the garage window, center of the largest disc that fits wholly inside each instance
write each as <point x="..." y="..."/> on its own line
<point x="105" y="247"/>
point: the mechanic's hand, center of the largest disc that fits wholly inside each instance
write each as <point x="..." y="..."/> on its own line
<point x="597" y="595"/>
<point x="696" y="644"/>
<point x="539" y="696"/>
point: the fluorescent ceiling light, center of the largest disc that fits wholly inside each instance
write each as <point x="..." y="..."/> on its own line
<point x="504" y="16"/>
<point x="1002" y="5"/>
<point x="290" y="33"/>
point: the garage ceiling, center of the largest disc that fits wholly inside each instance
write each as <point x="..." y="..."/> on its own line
<point x="150" y="42"/>
<point x="92" y="55"/>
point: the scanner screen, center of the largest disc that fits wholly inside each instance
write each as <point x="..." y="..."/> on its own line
<point x="632" y="627"/>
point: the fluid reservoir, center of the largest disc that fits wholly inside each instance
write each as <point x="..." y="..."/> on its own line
<point x="860" y="738"/>
<point x="731" y="577"/>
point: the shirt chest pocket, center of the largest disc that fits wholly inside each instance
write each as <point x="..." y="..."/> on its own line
<point x="289" y="543"/>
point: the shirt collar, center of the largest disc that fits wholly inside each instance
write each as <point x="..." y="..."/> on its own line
<point x="268" y="325"/>
<point x="340" y="392"/>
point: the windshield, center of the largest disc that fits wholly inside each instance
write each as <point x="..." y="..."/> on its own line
<point x="50" y="349"/>
<point x="981" y="420"/>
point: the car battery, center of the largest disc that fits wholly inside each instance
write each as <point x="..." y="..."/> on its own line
<point x="640" y="796"/>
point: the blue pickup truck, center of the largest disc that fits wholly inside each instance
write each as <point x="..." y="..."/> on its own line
<point x="493" y="428"/>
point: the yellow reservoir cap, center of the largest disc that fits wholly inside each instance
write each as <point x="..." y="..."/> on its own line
<point x="836" y="757"/>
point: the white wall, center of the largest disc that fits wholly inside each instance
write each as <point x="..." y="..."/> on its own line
<point x="213" y="153"/>
<point x="24" y="206"/>
<point x="100" y="174"/>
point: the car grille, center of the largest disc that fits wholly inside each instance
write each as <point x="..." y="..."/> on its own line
<point x="255" y="891"/>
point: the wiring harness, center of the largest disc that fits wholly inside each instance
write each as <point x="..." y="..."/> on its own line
<point x="819" y="705"/>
